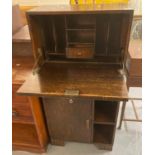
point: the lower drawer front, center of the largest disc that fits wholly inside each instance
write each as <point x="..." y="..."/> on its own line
<point x="24" y="134"/>
<point x="21" y="112"/>
<point x="21" y="109"/>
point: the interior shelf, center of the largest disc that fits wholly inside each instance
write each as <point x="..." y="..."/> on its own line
<point x="81" y="36"/>
<point x="55" y="53"/>
<point x="81" y="22"/>
<point x="103" y="134"/>
<point x="80" y="45"/>
<point x="105" y="112"/>
<point x="81" y="29"/>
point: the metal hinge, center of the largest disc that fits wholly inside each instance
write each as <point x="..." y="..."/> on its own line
<point x="36" y="66"/>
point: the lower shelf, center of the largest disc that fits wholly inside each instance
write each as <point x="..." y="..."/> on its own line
<point x="103" y="134"/>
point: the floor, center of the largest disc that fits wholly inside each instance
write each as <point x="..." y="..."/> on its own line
<point x="127" y="140"/>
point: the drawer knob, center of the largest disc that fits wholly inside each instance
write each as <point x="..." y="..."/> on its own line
<point x="88" y="124"/>
<point x="79" y="53"/>
<point x="14" y="113"/>
<point x="71" y="101"/>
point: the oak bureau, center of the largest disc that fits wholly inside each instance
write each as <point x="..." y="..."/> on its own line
<point x="79" y="73"/>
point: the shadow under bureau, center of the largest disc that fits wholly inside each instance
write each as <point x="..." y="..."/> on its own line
<point x="79" y="72"/>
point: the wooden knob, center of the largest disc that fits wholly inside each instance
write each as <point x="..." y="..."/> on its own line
<point x="14" y="113"/>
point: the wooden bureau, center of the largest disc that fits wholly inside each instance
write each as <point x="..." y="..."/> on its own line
<point x="79" y="75"/>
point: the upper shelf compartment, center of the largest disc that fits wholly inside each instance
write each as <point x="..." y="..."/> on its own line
<point x="80" y="36"/>
<point x="100" y="36"/>
<point x="80" y="22"/>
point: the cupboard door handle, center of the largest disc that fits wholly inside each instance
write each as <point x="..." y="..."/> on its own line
<point x="88" y="124"/>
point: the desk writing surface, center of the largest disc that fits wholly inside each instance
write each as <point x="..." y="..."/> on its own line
<point x="92" y="80"/>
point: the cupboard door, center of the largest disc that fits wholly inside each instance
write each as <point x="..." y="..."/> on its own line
<point x="68" y="119"/>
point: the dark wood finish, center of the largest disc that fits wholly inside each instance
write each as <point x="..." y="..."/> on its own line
<point x="75" y="119"/>
<point x="102" y="136"/>
<point x="105" y="120"/>
<point x="105" y="113"/>
<point x="100" y="31"/>
<point x="90" y="79"/>
<point x="80" y="49"/>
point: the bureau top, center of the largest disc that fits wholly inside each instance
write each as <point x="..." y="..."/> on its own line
<point x="75" y="9"/>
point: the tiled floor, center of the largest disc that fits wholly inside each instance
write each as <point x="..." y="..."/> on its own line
<point x="127" y="140"/>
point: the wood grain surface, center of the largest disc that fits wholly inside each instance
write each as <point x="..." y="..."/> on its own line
<point x="92" y="80"/>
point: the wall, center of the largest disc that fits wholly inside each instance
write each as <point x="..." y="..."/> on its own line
<point x="40" y="2"/>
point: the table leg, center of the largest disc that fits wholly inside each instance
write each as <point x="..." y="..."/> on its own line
<point x="122" y="114"/>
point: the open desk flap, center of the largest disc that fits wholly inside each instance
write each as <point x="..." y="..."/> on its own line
<point x="91" y="80"/>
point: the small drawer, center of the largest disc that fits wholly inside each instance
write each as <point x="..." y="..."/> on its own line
<point x="24" y="134"/>
<point x="22" y="112"/>
<point x="80" y="52"/>
<point x="21" y="109"/>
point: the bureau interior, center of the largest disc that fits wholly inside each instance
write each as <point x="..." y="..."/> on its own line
<point x="97" y="37"/>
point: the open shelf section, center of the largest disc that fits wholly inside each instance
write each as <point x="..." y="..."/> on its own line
<point x="105" y="116"/>
<point x="103" y="136"/>
<point x="81" y="22"/>
<point x="81" y="36"/>
<point x="105" y="112"/>
<point x="81" y="29"/>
